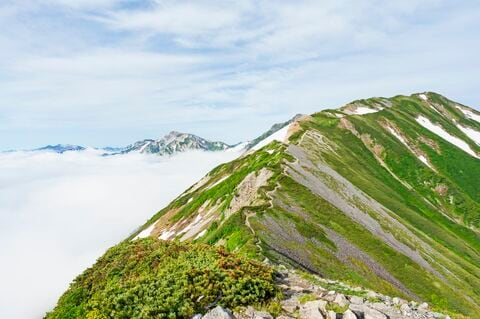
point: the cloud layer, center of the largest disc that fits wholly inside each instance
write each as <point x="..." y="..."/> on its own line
<point x="112" y="71"/>
<point x="58" y="213"/>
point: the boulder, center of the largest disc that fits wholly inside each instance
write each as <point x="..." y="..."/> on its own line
<point x="423" y="307"/>
<point x="219" y="313"/>
<point x="290" y="305"/>
<point x="331" y="315"/>
<point x="372" y="294"/>
<point x="356" y="300"/>
<point x="197" y="316"/>
<point x="311" y="309"/>
<point x="341" y="300"/>
<point x="368" y="313"/>
<point x="349" y="315"/>
<point x="398" y="301"/>
<point x="256" y="314"/>
<point x="405" y="308"/>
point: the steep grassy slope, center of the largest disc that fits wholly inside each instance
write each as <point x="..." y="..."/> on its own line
<point x="383" y="193"/>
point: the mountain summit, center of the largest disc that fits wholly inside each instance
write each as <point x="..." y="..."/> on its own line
<point x="382" y="193"/>
<point x="175" y="142"/>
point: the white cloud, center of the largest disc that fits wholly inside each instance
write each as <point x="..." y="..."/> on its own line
<point x="58" y="213"/>
<point x="186" y="18"/>
<point x="70" y="67"/>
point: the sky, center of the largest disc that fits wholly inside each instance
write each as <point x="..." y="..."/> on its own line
<point x="110" y="72"/>
<point x="59" y="213"/>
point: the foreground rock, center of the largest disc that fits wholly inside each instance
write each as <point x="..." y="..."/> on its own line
<point x="306" y="300"/>
<point x="218" y="313"/>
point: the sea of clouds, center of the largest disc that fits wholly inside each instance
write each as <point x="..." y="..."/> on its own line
<point x="59" y="212"/>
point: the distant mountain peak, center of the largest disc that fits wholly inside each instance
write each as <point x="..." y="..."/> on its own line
<point x="175" y="142"/>
<point x="61" y="148"/>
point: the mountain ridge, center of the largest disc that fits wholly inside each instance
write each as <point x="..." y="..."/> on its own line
<point x="381" y="193"/>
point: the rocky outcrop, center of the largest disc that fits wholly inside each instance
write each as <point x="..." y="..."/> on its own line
<point x="317" y="298"/>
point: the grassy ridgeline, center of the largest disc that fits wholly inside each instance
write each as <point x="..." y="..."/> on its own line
<point x="149" y="278"/>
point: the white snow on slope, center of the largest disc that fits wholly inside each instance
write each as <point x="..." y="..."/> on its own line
<point x="144" y="147"/>
<point x="404" y="142"/>
<point x="146" y="232"/>
<point x="279" y="135"/>
<point x="197" y="220"/>
<point x="438" y="130"/>
<point x="239" y="148"/>
<point x="398" y="136"/>
<point x="361" y="110"/>
<point x="200" y="234"/>
<point x="166" y="234"/>
<point x="424" y="160"/>
<point x="473" y="134"/>
<point x="469" y="114"/>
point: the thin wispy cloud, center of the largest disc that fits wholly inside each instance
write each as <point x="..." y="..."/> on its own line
<point x="58" y="213"/>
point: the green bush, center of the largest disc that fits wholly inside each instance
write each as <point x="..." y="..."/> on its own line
<point x="149" y="278"/>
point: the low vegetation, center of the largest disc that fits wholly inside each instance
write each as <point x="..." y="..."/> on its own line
<point x="149" y="278"/>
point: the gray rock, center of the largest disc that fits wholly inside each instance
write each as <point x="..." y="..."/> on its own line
<point x="368" y="313"/>
<point x="423" y="307"/>
<point x="219" y="313"/>
<point x="356" y="300"/>
<point x="311" y="309"/>
<point x="398" y="301"/>
<point x="284" y="317"/>
<point x="341" y="300"/>
<point x="290" y="305"/>
<point x="372" y="294"/>
<point x="405" y="308"/>
<point x="256" y="314"/>
<point x="349" y="315"/>
<point x="331" y="315"/>
<point x="197" y="316"/>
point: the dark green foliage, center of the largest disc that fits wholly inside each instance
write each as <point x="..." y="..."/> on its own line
<point x="149" y="278"/>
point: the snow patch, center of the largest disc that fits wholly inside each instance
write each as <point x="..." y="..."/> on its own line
<point x="239" y="148"/>
<point x="473" y="134"/>
<point x="144" y="147"/>
<point x="200" y="234"/>
<point x="198" y="219"/>
<point x="423" y="97"/>
<point x="422" y="158"/>
<point x="219" y="181"/>
<point x="398" y="136"/>
<point x="361" y="110"/>
<point x="438" y="130"/>
<point x="471" y="115"/>
<point x="279" y="135"/>
<point x="166" y="234"/>
<point x="146" y="232"/>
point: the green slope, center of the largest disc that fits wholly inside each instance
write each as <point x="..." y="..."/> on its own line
<point x="376" y="200"/>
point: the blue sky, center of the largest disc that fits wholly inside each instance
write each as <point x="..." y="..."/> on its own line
<point x="107" y="72"/>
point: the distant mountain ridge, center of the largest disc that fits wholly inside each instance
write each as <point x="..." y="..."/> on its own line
<point x="172" y="143"/>
<point x="61" y="148"/>
<point x="175" y="142"/>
